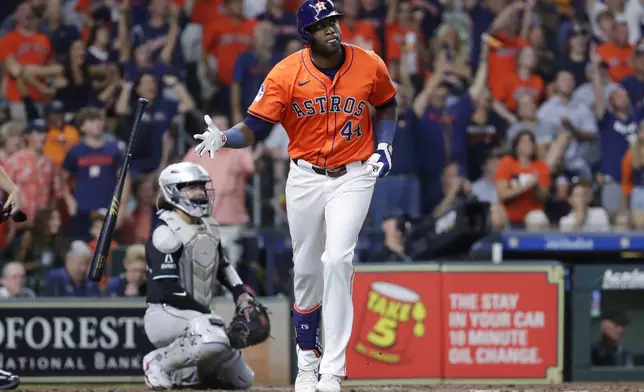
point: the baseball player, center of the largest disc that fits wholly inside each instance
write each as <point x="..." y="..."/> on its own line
<point x="8" y="380"/>
<point x="185" y="259"/>
<point x="321" y="96"/>
<point x="10" y="207"/>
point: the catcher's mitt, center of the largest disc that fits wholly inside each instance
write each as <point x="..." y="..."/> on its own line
<point x="244" y="333"/>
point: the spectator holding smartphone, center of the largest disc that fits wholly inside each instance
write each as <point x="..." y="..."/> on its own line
<point x="522" y="179"/>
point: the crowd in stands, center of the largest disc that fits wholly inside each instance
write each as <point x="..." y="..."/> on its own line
<point x="534" y="107"/>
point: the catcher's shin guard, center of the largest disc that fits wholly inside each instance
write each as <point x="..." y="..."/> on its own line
<point x="204" y="337"/>
<point x="308" y="330"/>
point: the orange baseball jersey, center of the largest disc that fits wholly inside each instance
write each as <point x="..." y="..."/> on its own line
<point x="226" y="40"/>
<point x="502" y="60"/>
<point x="361" y="32"/>
<point x="327" y="121"/>
<point x="618" y="59"/>
<point x="513" y="87"/>
<point x="27" y="49"/>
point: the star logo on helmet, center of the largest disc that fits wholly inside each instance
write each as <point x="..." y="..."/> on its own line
<point x="319" y="6"/>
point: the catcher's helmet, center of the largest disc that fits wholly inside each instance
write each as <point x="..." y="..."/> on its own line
<point x="310" y="13"/>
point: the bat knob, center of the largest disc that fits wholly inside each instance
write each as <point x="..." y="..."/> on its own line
<point x="143" y="101"/>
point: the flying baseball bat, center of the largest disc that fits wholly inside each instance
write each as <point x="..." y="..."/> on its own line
<point x="109" y="223"/>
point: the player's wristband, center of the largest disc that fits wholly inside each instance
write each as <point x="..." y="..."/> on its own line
<point x="385" y="131"/>
<point x="237" y="291"/>
<point x="234" y="138"/>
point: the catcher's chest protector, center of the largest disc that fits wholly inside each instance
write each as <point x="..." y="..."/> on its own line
<point x="200" y="258"/>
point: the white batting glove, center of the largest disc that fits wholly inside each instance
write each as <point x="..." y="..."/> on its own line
<point x="380" y="161"/>
<point x="212" y="140"/>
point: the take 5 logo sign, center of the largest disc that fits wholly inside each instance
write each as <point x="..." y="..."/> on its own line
<point x="396" y="320"/>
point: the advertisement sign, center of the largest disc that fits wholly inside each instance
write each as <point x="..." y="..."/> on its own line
<point x="502" y="323"/>
<point x="75" y="341"/>
<point x="396" y="331"/>
<point x="88" y="341"/>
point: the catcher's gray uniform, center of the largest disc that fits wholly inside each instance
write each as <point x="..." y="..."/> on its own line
<point x="185" y="261"/>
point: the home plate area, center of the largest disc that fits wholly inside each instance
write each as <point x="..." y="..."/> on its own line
<point x="567" y="387"/>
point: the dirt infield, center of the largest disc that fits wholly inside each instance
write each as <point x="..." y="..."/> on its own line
<point x="571" y="387"/>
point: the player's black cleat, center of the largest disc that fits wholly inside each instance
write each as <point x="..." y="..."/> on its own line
<point x="8" y="380"/>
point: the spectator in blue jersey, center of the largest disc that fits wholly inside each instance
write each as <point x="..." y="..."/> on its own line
<point x="161" y="36"/>
<point x="251" y="68"/>
<point x="283" y="21"/>
<point x="152" y="155"/>
<point x="618" y="122"/>
<point x="634" y="84"/>
<point x="132" y="282"/>
<point x="399" y="191"/>
<point x="93" y="165"/>
<point x="71" y="280"/>
<point x="442" y="129"/>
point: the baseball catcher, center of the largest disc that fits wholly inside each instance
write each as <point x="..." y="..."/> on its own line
<point x="185" y="259"/>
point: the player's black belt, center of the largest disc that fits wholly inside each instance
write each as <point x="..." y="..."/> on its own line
<point x="332" y="172"/>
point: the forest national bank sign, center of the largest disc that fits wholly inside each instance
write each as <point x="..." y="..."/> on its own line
<point x="73" y="341"/>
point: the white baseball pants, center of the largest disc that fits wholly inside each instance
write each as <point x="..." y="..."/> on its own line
<point x="325" y="216"/>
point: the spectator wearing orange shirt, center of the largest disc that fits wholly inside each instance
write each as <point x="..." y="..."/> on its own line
<point x="404" y="40"/>
<point x="226" y="39"/>
<point x="24" y="46"/>
<point x="504" y="28"/>
<point x="522" y="179"/>
<point x="618" y="53"/>
<point x="60" y="136"/>
<point x="633" y="180"/>
<point x="355" y="31"/>
<point x="523" y="81"/>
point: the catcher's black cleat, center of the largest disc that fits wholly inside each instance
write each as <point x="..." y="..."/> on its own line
<point x="8" y="380"/>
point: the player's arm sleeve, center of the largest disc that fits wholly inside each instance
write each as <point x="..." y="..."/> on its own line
<point x="270" y="100"/>
<point x="228" y="276"/>
<point x="163" y="252"/>
<point x="261" y="128"/>
<point x="383" y="90"/>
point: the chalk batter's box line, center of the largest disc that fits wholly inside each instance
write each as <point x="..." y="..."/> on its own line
<point x="83" y="379"/>
<point x="554" y="274"/>
<point x="392" y="381"/>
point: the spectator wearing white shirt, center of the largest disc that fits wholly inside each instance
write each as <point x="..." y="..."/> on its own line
<point x="485" y="187"/>
<point x="13" y="282"/>
<point x="596" y="8"/>
<point x="585" y="94"/>
<point x="582" y="216"/>
<point x="574" y="120"/>
<point x="634" y="20"/>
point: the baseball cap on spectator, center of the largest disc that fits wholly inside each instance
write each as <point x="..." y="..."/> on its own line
<point x="578" y="29"/>
<point x="79" y="248"/>
<point x="55" y="107"/>
<point x="37" y="125"/>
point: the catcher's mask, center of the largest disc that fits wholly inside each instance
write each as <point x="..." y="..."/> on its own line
<point x="187" y="187"/>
